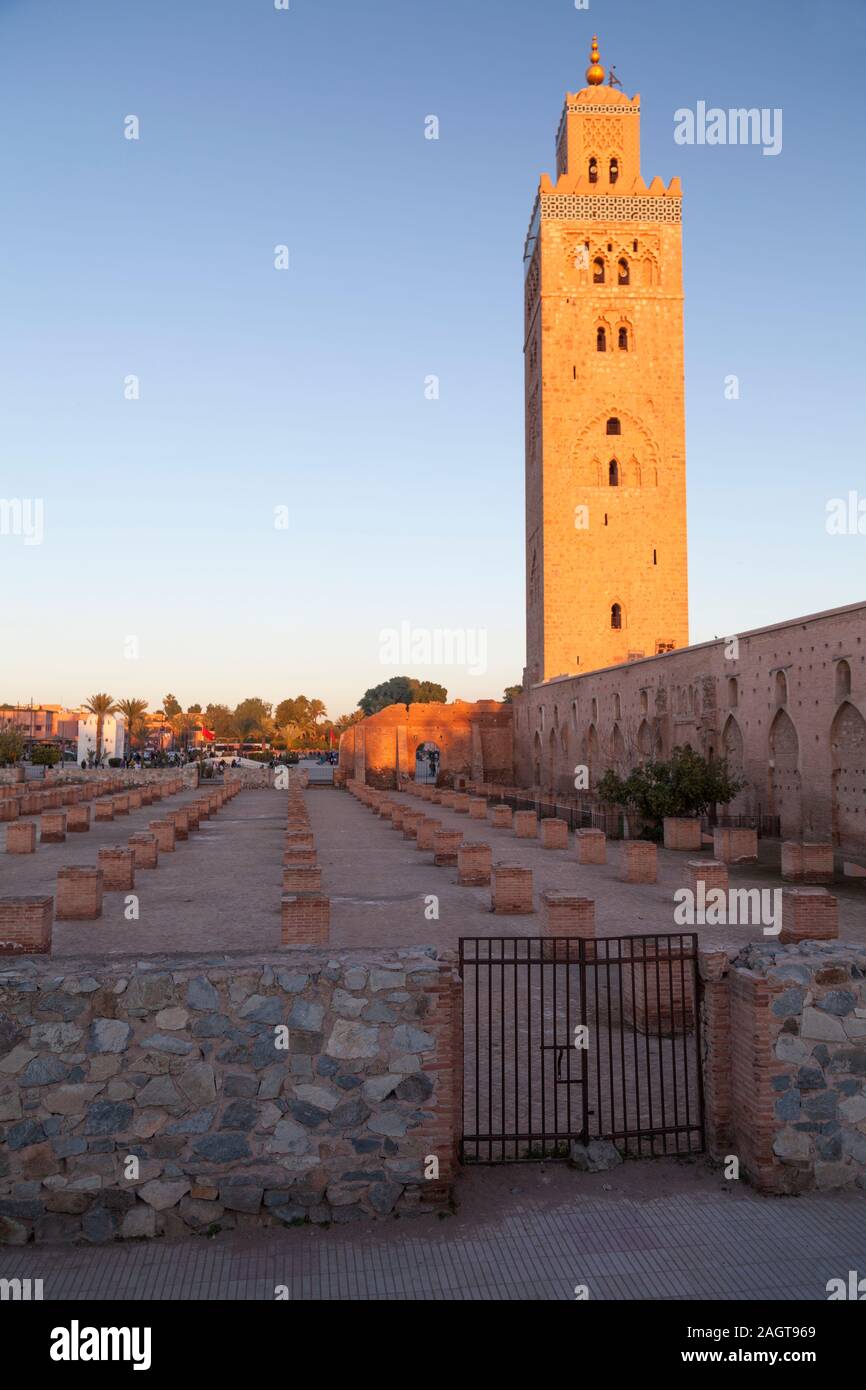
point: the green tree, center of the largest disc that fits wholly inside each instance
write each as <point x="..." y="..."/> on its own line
<point x="219" y="719"/>
<point x="45" y="755"/>
<point x="684" y="785"/>
<point x="171" y="706"/>
<point x="100" y="705"/>
<point x="252" y="718"/>
<point x="510" y="693"/>
<point x="11" y="746"/>
<point x="133" y="712"/>
<point x="401" y="690"/>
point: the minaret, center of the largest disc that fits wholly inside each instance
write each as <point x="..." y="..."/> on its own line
<point x="606" y="569"/>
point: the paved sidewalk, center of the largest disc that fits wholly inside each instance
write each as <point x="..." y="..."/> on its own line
<point x="538" y="1241"/>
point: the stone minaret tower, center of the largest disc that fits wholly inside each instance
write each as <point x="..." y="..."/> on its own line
<point x="606" y="571"/>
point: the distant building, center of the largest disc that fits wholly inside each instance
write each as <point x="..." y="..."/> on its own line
<point x="113" y="736"/>
<point x="41" y="723"/>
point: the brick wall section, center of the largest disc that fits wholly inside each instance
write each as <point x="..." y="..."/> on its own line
<point x="25" y="926"/>
<point x="682" y="832"/>
<point x="446" y="843"/>
<point x="803" y="862"/>
<point x="238" y="1130"/>
<point x="474" y="862"/>
<point x="565" y="915"/>
<point x="554" y="833"/>
<point x="426" y="833"/>
<point x="52" y="827"/>
<point x="808" y="914"/>
<point x="709" y="872"/>
<point x="306" y="919"/>
<point x="716" y="1057"/>
<point x="302" y="878"/>
<point x="164" y="832"/>
<point x="590" y="846"/>
<point x="145" y="849"/>
<point x="735" y="845"/>
<point x="525" y="825"/>
<point x="79" y="895"/>
<point x="512" y="889"/>
<point x="118" y="868"/>
<point x="21" y="837"/>
<point x="638" y="861"/>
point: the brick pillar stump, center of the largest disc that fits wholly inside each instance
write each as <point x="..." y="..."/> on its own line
<point x="566" y="915"/>
<point x="8" y="809"/>
<point x="658" y="992"/>
<point x="397" y="815"/>
<point x="164" y="832"/>
<point x="121" y="805"/>
<point x="682" y="832"/>
<point x="446" y="843"/>
<point x="25" y="926"/>
<point x="79" y="895"/>
<point x="192" y="815"/>
<point x="461" y="804"/>
<point x="525" y="824"/>
<point x="103" y="810"/>
<point x="808" y="914"/>
<point x="299" y="839"/>
<point x="52" y="827"/>
<point x="512" y="889"/>
<point x="180" y="821"/>
<point x="735" y="844"/>
<point x="474" y="863"/>
<point x="306" y="919"/>
<point x="411" y="823"/>
<point x="117" y="863"/>
<point x="145" y="849"/>
<point x="302" y="878"/>
<point x="426" y="832"/>
<point x="554" y="833"/>
<point x="21" y="837"/>
<point x="134" y="799"/>
<point x="296" y="857"/>
<point x="709" y="872"/>
<point x="447" y="800"/>
<point x="477" y="808"/>
<point x="638" y="862"/>
<point x="77" y="819"/>
<point x="590" y="846"/>
<point x="500" y="817"/>
<point x="807" y="862"/>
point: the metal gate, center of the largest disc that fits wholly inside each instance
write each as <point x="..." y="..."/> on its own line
<point x="571" y="1039"/>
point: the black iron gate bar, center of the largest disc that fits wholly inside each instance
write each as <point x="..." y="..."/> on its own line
<point x="631" y="1089"/>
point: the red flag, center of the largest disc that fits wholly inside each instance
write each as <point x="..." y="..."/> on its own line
<point x="207" y="734"/>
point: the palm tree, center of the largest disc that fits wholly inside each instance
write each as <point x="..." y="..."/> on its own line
<point x="100" y="705"/>
<point x="133" y="712"/>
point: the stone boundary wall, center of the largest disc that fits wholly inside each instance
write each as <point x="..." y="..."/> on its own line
<point x="784" y="1041"/>
<point x="177" y="1062"/>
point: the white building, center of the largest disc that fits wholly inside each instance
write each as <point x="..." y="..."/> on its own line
<point x="113" y="737"/>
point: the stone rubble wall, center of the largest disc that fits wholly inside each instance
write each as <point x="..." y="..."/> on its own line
<point x="176" y="1062"/>
<point x="787" y="1063"/>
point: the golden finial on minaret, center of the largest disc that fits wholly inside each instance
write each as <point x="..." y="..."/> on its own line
<point x="595" y="72"/>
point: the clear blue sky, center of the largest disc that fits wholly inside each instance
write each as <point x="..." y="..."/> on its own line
<point x="305" y="388"/>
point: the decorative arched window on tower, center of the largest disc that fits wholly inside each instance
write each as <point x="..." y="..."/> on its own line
<point x="598" y="271"/>
<point x="622" y="271"/>
<point x="613" y="473"/>
<point x="600" y="340"/>
<point x="622" y="339"/>
<point x="613" y="426"/>
<point x="614" y="170"/>
<point x="593" y="170"/>
<point x="616" y="616"/>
